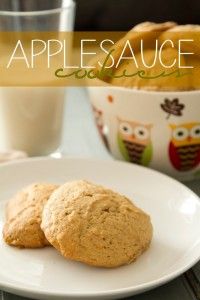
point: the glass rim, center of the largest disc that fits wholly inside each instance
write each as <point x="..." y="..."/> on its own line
<point x="36" y="12"/>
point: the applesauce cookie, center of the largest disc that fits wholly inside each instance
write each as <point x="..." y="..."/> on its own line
<point x="151" y="26"/>
<point x="152" y="80"/>
<point x="23" y="217"/>
<point x="94" y="225"/>
<point x="147" y="31"/>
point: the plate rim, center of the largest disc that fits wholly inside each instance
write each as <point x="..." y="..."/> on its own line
<point x="31" y="291"/>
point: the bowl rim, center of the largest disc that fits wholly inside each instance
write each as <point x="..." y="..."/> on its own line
<point x="104" y="84"/>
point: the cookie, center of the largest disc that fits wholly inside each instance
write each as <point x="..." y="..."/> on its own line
<point x="151" y="26"/>
<point x="189" y="35"/>
<point x="23" y="217"/>
<point x="154" y="80"/>
<point x="147" y="31"/>
<point x="94" y="225"/>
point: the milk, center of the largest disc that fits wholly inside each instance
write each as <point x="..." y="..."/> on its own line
<point x="31" y="119"/>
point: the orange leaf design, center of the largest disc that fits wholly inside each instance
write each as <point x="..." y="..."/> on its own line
<point x="110" y="98"/>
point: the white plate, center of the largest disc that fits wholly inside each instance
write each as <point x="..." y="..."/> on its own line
<point x="44" y="273"/>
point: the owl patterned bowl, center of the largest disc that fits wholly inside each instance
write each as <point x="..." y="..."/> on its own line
<point x="160" y="130"/>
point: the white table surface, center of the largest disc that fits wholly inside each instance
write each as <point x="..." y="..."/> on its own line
<point x="80" y="138"/>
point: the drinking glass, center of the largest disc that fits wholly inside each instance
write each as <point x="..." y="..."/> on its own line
<point x="31" y="118"/>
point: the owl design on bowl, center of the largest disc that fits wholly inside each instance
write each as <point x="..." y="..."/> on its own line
<point x="134" y="140"/>
<point x="184" y="147"/>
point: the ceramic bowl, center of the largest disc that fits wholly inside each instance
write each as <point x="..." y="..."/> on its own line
<point x="156" y="129"/>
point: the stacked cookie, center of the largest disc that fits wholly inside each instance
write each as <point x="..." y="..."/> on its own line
<point x="155" y="57"/>
<point x="83" y="221"/>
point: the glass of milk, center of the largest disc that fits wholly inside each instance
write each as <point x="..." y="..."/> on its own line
<point x="31" y="118"/>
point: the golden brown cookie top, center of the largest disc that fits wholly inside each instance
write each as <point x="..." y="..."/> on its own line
<point x="187" y="27"/>
<point x="95" y="225"/>
<point x="33" y="196"/>
<point x="23" y="216"/>
<point x="151" y="26"/>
